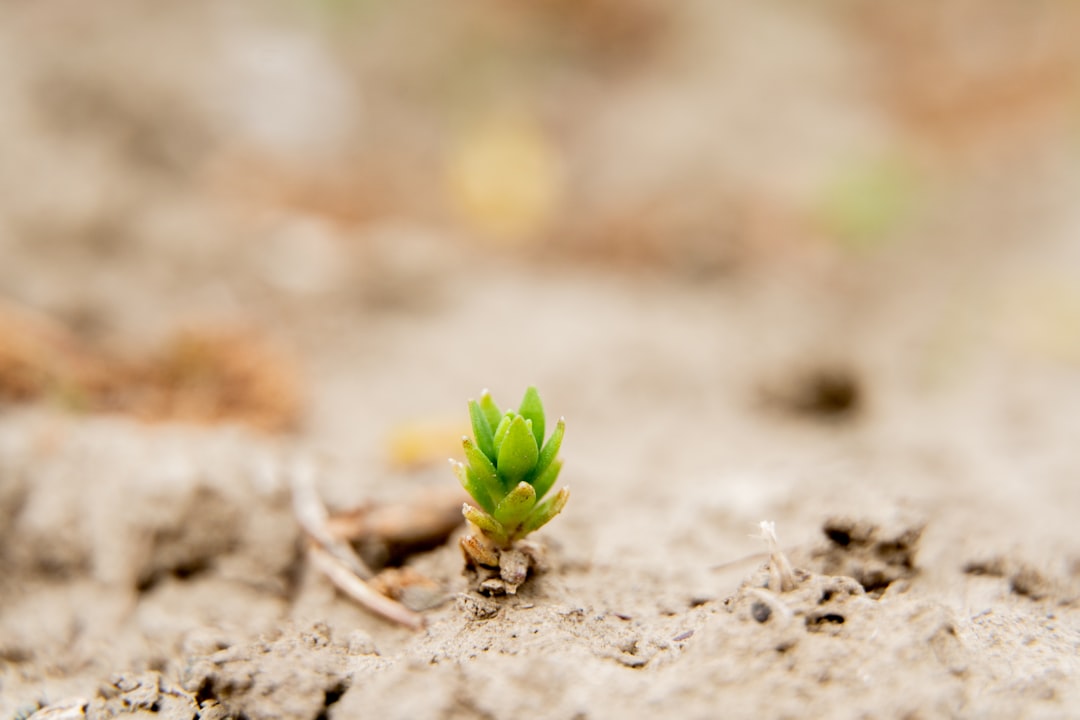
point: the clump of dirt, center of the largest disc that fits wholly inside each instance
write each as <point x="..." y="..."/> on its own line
<point x="289" y="674"/>
<point x="818" y="603"/>
<point x="1025" y="579"/>
<point x="131" y="507"/>
<point x="873" y="555"/>
<point x="293" y="674"/>
<point x="793" y="600"/>
<point x="149" y="692"/>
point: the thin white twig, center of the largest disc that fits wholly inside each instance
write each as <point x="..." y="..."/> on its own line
<point x="781" y="574"/>
<point x="347" y="581"/>
<point x="335" y="557"/>
<point x="311" y="513"/>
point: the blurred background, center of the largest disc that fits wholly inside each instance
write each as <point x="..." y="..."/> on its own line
<point x="773" y="260"/>
<point x="294" y="213"/>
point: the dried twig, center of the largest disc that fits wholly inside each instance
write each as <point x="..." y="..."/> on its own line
<point x="335" y="558"/>
<point x="313" y="518"/>
<point x="346" y="581"/>
<point x="71" y="709"/>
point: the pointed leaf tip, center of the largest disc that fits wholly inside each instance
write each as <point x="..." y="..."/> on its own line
<point x="550" y="450"/>
<point x="483" y="470"/>
<point x="472" y="485"/>
<point x="544" y="512"/>
<point x="485" y="439"/>
<point x="533" y="409"/>
<point x="500" y="432"/>
<point x="490" y="409"/>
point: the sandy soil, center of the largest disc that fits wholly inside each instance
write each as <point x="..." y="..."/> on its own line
<point x="203" y="289"/>
<point x="158" y="567"/>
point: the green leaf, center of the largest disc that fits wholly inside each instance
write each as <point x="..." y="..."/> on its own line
<point x="544" y="512"/>
<point x="510" y="472"/>
<point x="485" y="523"/>
<point x="533" y="409"/>
<point x="500" y="432"/>
<point x="482" y="430"/>
<point x="473" y="486"/>
<point x="547" y="478"/>
<point x="551" y="449"/>
<point x="516" y="505"/>
<point x="518" y="453"/>
<point x="491" y="410"/>
<point x="483" y="470"/>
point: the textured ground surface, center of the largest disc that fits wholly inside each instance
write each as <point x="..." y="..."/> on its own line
<point x="158" y="565"/>
<point x="814" y="266"/>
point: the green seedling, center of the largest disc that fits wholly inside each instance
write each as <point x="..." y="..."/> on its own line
<point x="510" y="467"/>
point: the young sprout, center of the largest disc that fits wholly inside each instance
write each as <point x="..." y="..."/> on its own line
<point x="509" y="470"/>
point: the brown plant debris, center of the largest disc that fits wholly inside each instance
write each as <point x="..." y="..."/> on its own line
<point x="213" y="375"/>
<point x="203" y="375"/>
<point x="40" y="358"/>
<point x="387" y="534"/>
<point x="335" y="558"/>
<point x="411" y="588"/>
<point x="496" y="571"/>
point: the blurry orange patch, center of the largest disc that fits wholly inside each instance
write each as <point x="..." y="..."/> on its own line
<point x="966" y="75"/>
<point x="40" y="358"/>
<point x="612" y="30"/>
<point x="199" y="376"/>
<point x="219" y="375"/>
<point x="348" y="196"/>
<point x="692" y="233"/>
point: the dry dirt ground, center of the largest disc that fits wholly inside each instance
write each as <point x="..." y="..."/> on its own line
<point x="156" y="569"/>
<point x="205" y="288"/>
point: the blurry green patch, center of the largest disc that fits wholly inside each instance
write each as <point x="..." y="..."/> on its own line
<point x="351" y="10"/>
<point x="867" y="201"/>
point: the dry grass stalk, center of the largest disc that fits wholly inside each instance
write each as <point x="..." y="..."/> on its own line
<point x="335" y="558"/>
